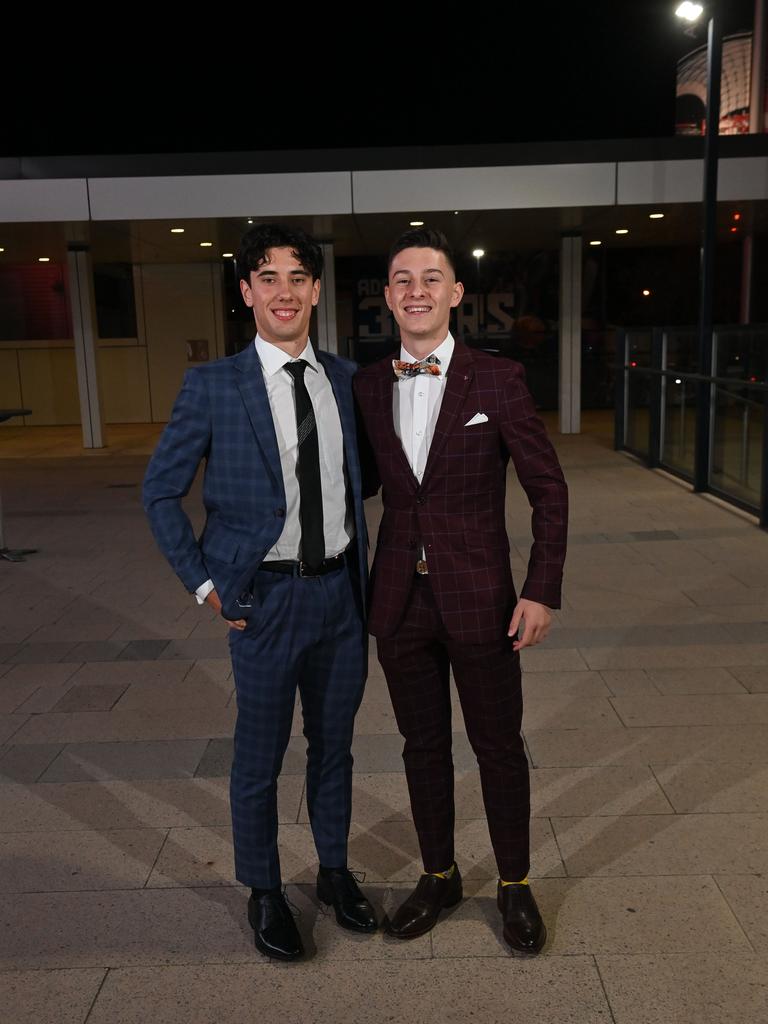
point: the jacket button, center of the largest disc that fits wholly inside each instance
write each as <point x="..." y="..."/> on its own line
<point x="280" y="513"/>
<point x="420" y="501"/>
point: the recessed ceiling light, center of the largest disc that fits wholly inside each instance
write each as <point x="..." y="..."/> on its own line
<point x="656" y="216"/>
<point x="596" y="242"/>
<point x="2" y="249"/>
<point x="417" y="223"/>
<point x="177" y="231"/>
<point x="250" y="220"/>
<point x="478" y="253"/>
<point x="43" y="259"/>
<point x="646" y="292"/>
<point x="205" y="245"/>
<point x="455" y="213"/>
<point x="227" y="255"/>
<point x="622" y="231"/>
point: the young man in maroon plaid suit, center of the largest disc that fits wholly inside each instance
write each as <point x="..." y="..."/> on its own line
<point x="443" y="427"/>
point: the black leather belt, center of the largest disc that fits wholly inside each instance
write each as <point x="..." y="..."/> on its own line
<point x="290" y="568"/>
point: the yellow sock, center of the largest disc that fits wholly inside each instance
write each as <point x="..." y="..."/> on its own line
<point x="443" y="874"/>
<point x="524" y="882"/>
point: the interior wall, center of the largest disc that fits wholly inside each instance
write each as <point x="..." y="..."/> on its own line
<point x="179" y="306"/>
<point x="139" y="377"/>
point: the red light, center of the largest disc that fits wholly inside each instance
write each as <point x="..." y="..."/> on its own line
<point x="633" y="363"/>
<point x="737" y="216"/>
<point x="734" y="230"/>
<point x="753" y="380"/>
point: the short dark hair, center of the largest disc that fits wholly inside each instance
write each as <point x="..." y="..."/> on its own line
<point x="422" y="238"/>
<point x="256" y="242"/>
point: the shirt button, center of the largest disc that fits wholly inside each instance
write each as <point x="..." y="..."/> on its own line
<point x="421" y="394"/>
<point x="419" y="433"/>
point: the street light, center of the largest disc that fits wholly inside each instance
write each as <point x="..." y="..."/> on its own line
<point x="691" y="13"/>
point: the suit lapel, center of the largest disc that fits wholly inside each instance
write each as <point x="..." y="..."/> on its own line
<point x="457" y="382"/>
<point x="342" y="392"/>
<point x="250" y="383"/>
<point x="387" y="413"/>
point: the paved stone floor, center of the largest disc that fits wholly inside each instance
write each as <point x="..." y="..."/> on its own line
<point x="646" y="722"/>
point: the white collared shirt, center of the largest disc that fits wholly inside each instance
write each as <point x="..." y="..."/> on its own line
<point x="416" y="407"/>
<point x="337" y="523"/>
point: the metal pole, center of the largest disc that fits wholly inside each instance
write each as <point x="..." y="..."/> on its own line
<point x="747" y="261"/>
<point x="757" y="78"/>
<point x="570" y="334"/>
<point x="621" y="385"/>
<point x="655" y="398"/>
<point x="708" y="243"/>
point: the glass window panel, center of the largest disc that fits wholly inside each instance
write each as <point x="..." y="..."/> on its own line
<point x="679" y="426"/>
<point x="637" y="425"/>
<point x="737" y="443"/>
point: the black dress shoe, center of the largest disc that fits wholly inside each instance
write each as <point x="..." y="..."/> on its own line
<point x="524" y="931"/>
<point x="337" y="887"/>
<point x="274" y="930"/>
<point x="421" y="910"/>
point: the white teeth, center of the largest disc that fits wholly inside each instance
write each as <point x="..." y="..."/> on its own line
<point x="417" y="309"/>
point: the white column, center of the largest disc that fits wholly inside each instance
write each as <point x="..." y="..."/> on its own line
<point x="326" y="307"/>
<point x="83" y="307"/>
<point x="570" y="334"/>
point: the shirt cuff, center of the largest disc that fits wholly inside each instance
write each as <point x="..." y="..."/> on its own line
<point x="203" y="591"/>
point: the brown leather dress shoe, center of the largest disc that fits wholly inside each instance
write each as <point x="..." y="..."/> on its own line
<point x="421" y="910"/>
<point x="524" y="930"/>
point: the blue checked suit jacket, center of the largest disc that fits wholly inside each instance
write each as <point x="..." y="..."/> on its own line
<point x="222" y="416"/>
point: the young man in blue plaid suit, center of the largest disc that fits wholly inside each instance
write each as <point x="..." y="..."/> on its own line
<point x="283" y="558"/>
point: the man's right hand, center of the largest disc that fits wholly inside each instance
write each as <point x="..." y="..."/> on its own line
<point x="213" y="600"/>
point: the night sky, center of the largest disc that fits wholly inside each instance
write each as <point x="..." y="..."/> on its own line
<point x="226" y="79"/>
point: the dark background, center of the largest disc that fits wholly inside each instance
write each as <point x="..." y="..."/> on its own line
<point x="233" y="78"/>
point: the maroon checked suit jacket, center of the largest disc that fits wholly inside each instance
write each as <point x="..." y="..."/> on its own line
<point x="457" y="511"/>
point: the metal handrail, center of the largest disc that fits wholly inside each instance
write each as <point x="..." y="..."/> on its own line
<point x="689" y="375"/>
<point x="747" y="401"/>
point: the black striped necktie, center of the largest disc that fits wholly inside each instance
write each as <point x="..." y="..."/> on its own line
<point x="308" y="470"/>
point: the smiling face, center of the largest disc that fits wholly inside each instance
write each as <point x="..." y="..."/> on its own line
<point x="421" y="293"/>
<point x="281" y="294"/>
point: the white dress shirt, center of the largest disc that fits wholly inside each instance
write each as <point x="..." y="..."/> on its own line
<point x="417" y="402"/>
<point x="337" y="523"/>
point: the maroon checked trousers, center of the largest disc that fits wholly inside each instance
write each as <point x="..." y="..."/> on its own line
<point x="417" y="660"/>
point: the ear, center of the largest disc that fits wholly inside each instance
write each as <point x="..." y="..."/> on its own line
<point x="457" y="295"/>
<point x="245" y="291"/>
<point x="316" y="292"/>
<point x="386" y="296"/>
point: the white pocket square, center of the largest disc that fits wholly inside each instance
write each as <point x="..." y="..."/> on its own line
<point x="479" y="417"/>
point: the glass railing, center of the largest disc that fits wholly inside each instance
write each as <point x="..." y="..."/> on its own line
<point x="666" y="408"/>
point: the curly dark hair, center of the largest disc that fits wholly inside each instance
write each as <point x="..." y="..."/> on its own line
<point x="259" y="239"/>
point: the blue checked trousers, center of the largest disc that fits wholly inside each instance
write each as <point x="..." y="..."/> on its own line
<point x="305" y="634"/>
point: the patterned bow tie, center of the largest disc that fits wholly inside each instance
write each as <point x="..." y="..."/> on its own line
<point x="405" y="370"/>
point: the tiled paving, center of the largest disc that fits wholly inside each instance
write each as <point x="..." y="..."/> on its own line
<point x="646" y="722"/>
